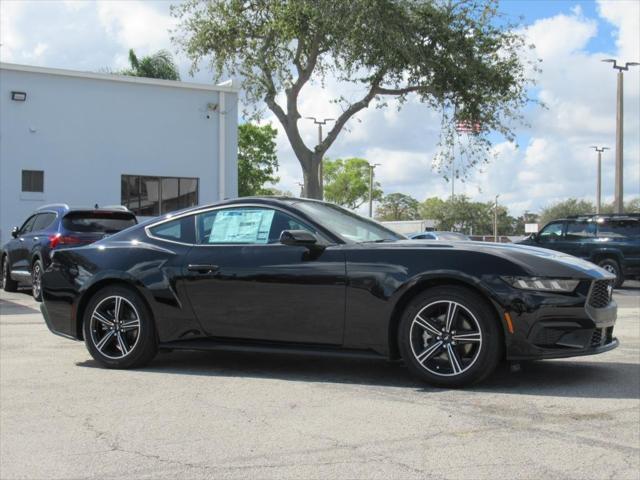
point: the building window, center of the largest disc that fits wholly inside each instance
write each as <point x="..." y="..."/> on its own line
<point x="32" y="181"/>
<point x="151" y="196"/>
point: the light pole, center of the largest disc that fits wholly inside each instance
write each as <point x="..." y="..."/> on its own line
<point x="371" y="168"/>
<point x="618" y="202"/>
<point x="320" y="123"/>
<point x="599" y="181"/>
<point x="495" y="221"/>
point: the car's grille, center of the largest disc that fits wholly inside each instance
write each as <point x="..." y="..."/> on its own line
<point x="600" y="295"/>
<point x="602" y="336"/>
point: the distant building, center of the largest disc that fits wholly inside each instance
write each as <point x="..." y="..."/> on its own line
<point x="410" y="226"/>
<point x="89" y="138"/>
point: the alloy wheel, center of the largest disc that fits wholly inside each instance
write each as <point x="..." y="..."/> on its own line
<point x="115" y="327"/>
<point x="36" y="280"/>
<point x="445" y="338"/>
<point x="610" y="268"/>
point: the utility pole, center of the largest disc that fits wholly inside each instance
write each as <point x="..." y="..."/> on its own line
<point x="618" y="202"/>
<point x="495" y="221"/>
<point x="320" y="123"/>
<point x="599" y="181"/>
<point x="371" y="168"/>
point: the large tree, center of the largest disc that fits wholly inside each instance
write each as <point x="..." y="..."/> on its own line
<point x="257" y="159"/>
<point x="456" y="56"/>
<point x="397" y="206"/>
<point x="346" y="182"/>
<point x="158" y="65"/>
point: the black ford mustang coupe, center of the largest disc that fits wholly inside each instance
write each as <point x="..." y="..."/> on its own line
<point x="294" y="275"/>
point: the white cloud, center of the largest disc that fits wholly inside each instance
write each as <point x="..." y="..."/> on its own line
<point x="561" y="35"/>
<point x="11" y="39"/>
<point x="129" y="24"/>
<point x="625" y="16"/>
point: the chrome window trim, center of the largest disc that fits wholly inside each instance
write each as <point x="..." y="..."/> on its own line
<point x="224" y="207"/>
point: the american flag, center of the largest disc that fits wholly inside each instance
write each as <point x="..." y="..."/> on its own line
<point x="467" y="126"/>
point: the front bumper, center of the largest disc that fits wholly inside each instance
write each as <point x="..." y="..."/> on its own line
<point x="554" y="325"/>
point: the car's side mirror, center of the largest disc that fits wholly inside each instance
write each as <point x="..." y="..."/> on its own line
<point x="535" y="237"/>
<point x="15" y="231"/>
<point x="302" y="238"/>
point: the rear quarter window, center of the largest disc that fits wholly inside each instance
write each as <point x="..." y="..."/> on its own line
<point x="98" y="222"/>
<point x="179" y="230"/>
<point x="619" y="229"/>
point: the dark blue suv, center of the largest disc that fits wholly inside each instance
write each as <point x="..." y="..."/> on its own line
<point x="51" y="227"/>
<point x="611" y="241"/>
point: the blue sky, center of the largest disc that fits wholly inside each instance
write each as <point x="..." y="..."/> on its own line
<point x="552" y="161"/>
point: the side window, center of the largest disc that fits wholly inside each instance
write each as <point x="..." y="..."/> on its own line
<point x="249" y="225"/>
<point x="43" y="220"/>
<point x="619" y="229"/>
<point x="551" y="232"/>
<point x="28" y="225"/>
<point x="580" y="230"/>
<point x="179" y="230"/>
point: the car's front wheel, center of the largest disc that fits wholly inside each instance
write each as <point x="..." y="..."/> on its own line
<point x="449" y="337"/>
<point x="119" y="331"/>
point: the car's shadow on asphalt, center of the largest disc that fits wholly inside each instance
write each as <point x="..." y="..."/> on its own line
<point x="561" y="378"/>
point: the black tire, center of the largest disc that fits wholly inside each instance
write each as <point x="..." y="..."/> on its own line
<point x="142" y="343"/>
<point x="476" y="355"/>
<point x="8" y="284"/>
<point x="612" y="266"/>
<point x="37" y="269"/>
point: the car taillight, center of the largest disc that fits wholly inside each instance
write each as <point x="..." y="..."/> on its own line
<point x="59" y="239"/>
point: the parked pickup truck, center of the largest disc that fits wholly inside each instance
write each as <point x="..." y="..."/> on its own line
<point x="610" y="241"/>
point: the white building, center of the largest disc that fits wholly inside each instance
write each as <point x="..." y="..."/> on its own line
<point x="88" y="138"/>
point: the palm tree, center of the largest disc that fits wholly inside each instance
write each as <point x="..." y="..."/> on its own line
<point x="158" y="65"/>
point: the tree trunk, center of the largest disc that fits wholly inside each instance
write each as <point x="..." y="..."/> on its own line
<point x="312" y="187"/>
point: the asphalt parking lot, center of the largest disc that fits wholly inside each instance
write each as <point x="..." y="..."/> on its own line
<point x="234" y="415"/>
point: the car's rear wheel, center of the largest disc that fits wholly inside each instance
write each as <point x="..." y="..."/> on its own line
<point x="119" y="331"/>
<point x="612" y="266"/>
<point x="36" y="280"/>
<point x="449" y="337"/>
<point x="8" y="284"/>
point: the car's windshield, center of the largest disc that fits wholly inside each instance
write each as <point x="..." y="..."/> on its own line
<point x="347" y="225"/>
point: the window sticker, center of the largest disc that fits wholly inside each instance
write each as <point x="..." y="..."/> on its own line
<point x="241" y="226"/>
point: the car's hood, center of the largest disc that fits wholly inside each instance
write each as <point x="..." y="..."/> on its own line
<point x="536" y="261"/>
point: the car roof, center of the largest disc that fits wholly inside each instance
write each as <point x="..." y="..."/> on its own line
<point x="63" y="208"/>
<point x="599" y="216"/>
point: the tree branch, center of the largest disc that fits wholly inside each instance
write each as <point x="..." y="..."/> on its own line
<point x="397" y="91"/>
<point x="346" y="115"/>
<point x="304" y="74"/>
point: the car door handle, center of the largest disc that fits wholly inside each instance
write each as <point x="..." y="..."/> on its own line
<point x="203" y="268"/>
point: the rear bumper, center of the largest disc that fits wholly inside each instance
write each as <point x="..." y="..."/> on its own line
<point x="53" y="327"/>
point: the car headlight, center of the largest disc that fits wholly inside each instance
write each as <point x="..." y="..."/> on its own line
<point x="542" y="284"/>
